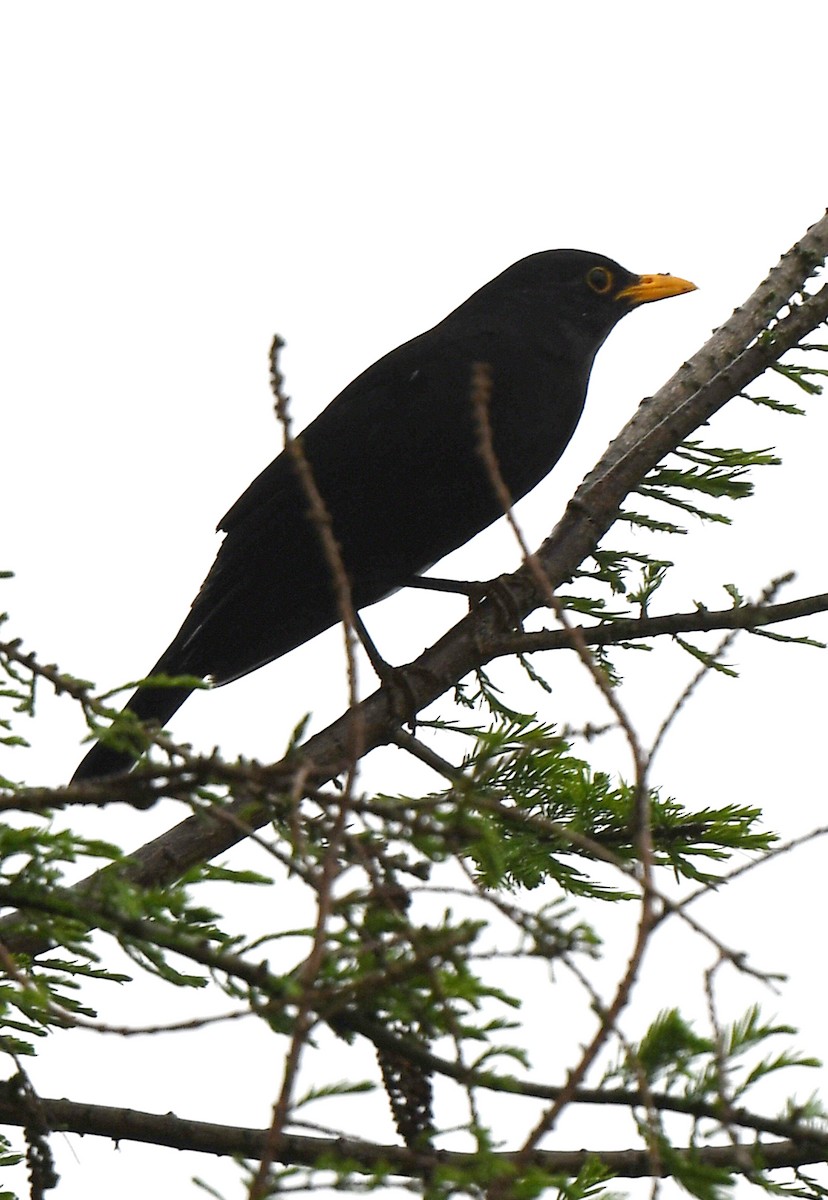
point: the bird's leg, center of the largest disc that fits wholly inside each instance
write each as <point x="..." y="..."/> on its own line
<point x="403" y="701"/>
<point x="503" y="598"/>
<point x="383" y="670"/>
<point x="497" y="590"/>
<point x="473" y="589"/>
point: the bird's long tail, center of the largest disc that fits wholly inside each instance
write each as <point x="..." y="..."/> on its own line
<point x="149" y="704"/>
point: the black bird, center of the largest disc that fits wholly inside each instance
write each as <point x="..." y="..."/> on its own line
<point x="395" y="457"/>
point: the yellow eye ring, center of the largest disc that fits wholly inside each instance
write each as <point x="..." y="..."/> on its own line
<point x="600" y="280"/>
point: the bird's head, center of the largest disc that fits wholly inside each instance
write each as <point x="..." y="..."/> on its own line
<point x="577" y="291"/>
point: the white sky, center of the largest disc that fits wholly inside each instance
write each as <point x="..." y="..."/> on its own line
<point x="180" y="180"/>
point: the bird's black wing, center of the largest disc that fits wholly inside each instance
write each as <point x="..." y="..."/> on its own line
<point x="395" y="458"/>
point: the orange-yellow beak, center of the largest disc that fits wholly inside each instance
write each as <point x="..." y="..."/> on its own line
<point x="655" y="287"/>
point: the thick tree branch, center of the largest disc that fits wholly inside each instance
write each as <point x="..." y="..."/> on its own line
<point x="365" y="1157"/>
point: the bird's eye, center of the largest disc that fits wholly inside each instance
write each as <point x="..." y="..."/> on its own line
<point x="600" y="280"/>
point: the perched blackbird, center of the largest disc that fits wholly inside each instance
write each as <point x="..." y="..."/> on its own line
<point x="397" y="462"/>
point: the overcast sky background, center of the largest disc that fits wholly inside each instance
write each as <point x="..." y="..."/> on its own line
<point x="182" y="180"/>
